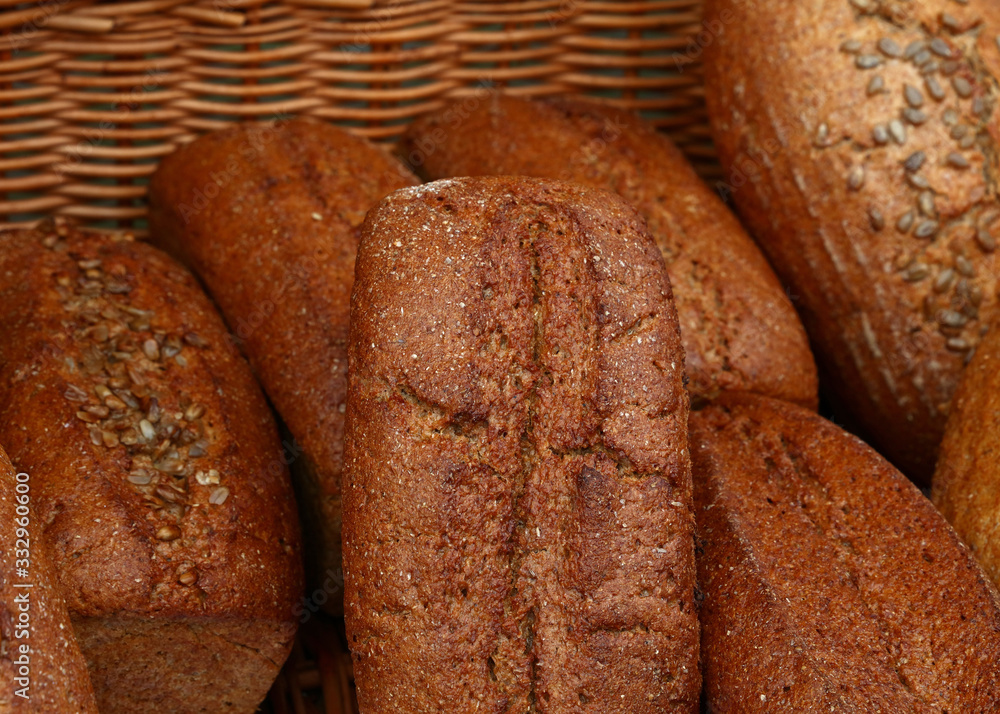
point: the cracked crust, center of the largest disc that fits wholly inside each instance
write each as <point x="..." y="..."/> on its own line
<point x="739" y="329"/>
<point x="268" y="218"/>
<point x="517" y="493"/>
<point x="830" y="582"/>
<point x="57" y="679"/>
<point x="860" y="141"/>
<point x="155" y="463"/>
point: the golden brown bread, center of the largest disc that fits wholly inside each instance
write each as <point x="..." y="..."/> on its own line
<point x="859" y="140"/>
<point x="41" y="668"/>
<point x="156" y="472"/>
<point x="830" y="582"/>
<point x="739" y="329"/>
<point x="268" y="217"/>
<point x="517" y="526"/>
<point x="967" y="481"/>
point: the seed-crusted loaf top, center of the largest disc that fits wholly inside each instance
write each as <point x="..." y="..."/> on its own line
<point x="830" y="582"/>
<point x="517" y="532"/>
<point x="268" y="216"/>
<point x="866" y="134"/>
<point x="738" y="327"/>
<point x="155" y="460"/>
<point x="33" y="615"/>
<point x="967" y="479"/>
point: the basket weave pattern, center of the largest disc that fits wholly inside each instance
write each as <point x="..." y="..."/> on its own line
<point x="93" y="94"/>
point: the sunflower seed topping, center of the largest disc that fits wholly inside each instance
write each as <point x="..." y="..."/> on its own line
<point x="926" y="202"/>
<point x="876" y="219"/>
<point x="944" y="280"/>
<point x="856" y="179"/>
<point x="916" y="272"/>
<point x="168" y="533"/>
<point x="913" y="96"/>
<point x="962" y="86"/>
<point x="958" y="161"/>
<point x="915" y="161"/>
<point x="851" y="47"/>
<point x="867" y="61"/>
<point x="889" y="47"/>
<point x="985" y="240"/>
<point x="927" y="229"/>
<point x="914" y="116"/>
<point x="941" y="48"/>
<point x="880" y="134"/>
<point x="219" y="496"/>
<point x="905" y="222"/>
<point x="935" y="89"/>
<point x="953" y="319"/>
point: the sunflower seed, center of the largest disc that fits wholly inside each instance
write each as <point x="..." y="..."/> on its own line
<point x="876" y="85"/>
<point x="889" y="47"/>
<point x="897" y="131"/>
<point x="170" y="466"/>
<point x="915" y="161"/>
<point x="914" y="48"/>
<point x="187" y="576"/>
<point x="151" y="349"/>
<point x="109" y="438"/>
<point x="935" y="89"/>
<point x="219" y="496"/>
<point x="926" y="202"/>
<point x="916" y="272"/>
<point x="979" y="106"/>
<point x="822" y="134"/>
<point x="913" y="96"/>
<point x="962" y="86"/>
<point x="856" y="179"/>
<point x="147" y="430"/>
<point x="96" y="438"/>
<point x="876" y="219"/>
<point x="927" y="229"/>
<point x="89" y="264"/>
<point x="87" y="417"/>
<point x="168" y="533"/>
<point x="951" y="318"/>
<point x="951" y="22"/>
<point x="154" y="412"/>
<point x="957" y="344"/>
<point x="944" y="280"/>
<point x="905" y="222"/>
<point x="851" y="47"/>
<point x="194" y="412"/>
<point x="140" y="477"/>
<point x="918" y="181"/>
<point x="75" y="394"/>
<point x="950" y="117"/>
<point x="867" y="61"/>
<point x="967" y="142"/>
<point x="195" y="340"/>
<point x="965" y="266"/>
<point x="958" y="161"/>
<point x="881" y="134"/>
<point x="922" y="58"/>
<point x="941" y="48"/>
<point x="198" y="448"/>
<point x="985" y="240"/>
<point x="914" y="116"/>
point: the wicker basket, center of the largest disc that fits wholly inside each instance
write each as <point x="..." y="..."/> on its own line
<point x="93" y="94"/>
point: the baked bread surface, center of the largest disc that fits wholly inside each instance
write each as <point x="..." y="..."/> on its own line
<point x="738" y="327"/>
<point x="156" y="471"/>
<point x="859" y="143"/>
<point x="830" y="582"/>
<point x="267" y="215"/>
<point x="517" y="526"/>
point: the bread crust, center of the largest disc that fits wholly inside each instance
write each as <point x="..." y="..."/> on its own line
<point x="829" y="580"/>
<point x="156" y="465"/>
<point x="517" y="532"/>
<point x="51" y="676"/>
<point x="967" y="480"/>
<point x="859" y="141"/>
<point x="739" y="329"/>
<point x="267" y="215"/>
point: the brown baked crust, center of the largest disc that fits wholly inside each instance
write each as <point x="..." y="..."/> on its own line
<point x="156" y="466"/>
<point x="967" y="481"/>
<point x="517" y="532"/>
<point x="875" y="202"/>
<point x="268" y="217"/>
<point x="739" y="329"/>
<point x="57" y="679"/>
<point x="830" y="583"/>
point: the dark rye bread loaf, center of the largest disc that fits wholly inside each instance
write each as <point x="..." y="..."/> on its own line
<point x="41" y="668"/>
<point x="268" y="217"/>
<point x="738" y="327"/>
<point x="859" y="139"/>
<point x="156" y="472"/>
<point x="967" y="481"/>
<point x="830" y="583"/>
<point x="517" y="525"/>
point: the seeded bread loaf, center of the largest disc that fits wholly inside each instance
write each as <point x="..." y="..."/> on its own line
<point x="830" y="582"/>
<point x="517" y="526"/>
<point x="739" y="329"/>
<point x="156" y="472"/>
<point x="268" y="217"/>
<point x="859" y="138"/>
<point x="967" y="481"/>
<point x="41" y="668"/>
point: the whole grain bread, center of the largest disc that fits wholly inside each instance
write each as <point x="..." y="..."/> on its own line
<point x="967" y="481"/>
<point x="156" y="472"/>
<point x="738" y="327"/>
<point x="859" y="140"/>
<point x="268" y="217"/>
<point x="41" y="668"/>
<point x="830" y="582"/>
<point x="517" y="525"/>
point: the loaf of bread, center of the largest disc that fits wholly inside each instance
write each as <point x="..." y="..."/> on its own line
<point x="517" y="524"/>
<point x="268" y="217"/>
<point x="41" y="668"/>
<point x="967" y="481"/>
<point x="830" y="583"/>
<point x="859" y="140"/>
<point x="739" y="329"/>
<point x="156" y="471"/>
